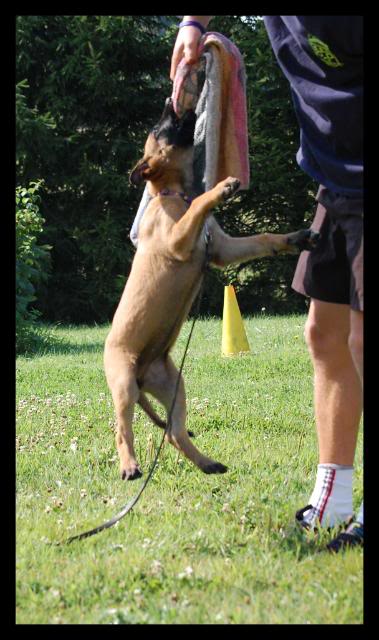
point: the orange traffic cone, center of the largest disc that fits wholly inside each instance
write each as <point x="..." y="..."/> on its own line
<point x="234" y="338"/>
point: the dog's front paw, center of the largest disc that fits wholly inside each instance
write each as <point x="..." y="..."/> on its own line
<point x="131" y="472"/>
<point x="230" y="186"/>
<point x="304" y="240"/>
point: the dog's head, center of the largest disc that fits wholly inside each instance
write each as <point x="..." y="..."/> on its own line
<point x="168" y="148"/>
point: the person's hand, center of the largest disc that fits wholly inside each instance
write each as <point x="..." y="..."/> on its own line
<point x="187" y="44"/>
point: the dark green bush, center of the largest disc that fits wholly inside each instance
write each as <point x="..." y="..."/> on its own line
<point x="32" y="264"/>
<point x="93" y="86"/>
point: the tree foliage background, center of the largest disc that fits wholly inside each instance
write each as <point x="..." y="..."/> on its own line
<point x="88" y="90"/>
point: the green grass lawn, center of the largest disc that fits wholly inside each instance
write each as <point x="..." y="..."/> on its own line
<point x="196" y="548"/>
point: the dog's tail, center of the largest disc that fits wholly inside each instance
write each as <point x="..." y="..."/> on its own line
<point x="148" y="409"/>
<point x="154" y="417"/>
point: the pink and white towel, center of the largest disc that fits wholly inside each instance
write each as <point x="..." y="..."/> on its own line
<point x="215" y="87"/>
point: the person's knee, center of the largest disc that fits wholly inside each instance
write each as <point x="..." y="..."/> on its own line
<point x="356" y="344"/>
<point x="323" y="342"/>
<point x="356" y="337"/>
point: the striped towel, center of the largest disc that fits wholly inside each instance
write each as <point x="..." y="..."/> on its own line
<point x="215" y="88"/>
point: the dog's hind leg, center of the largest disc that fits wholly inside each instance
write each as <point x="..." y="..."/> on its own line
<point x="160" y="380"/>
<point x="125" y="392"/>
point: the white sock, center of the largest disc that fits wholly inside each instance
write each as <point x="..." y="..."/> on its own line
<point x="332" y="497"/>
<point x="359" y="517"/>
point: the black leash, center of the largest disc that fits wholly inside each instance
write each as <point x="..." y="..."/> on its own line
<point x="129" y="506"/>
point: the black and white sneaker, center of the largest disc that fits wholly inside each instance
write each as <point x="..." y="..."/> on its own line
<point x="351" y="537"/>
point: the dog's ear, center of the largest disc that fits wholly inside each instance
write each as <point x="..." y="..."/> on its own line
<point x="137" y="175"/>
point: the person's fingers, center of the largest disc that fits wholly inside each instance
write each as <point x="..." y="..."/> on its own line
<point x="176" y="58"/>
<point x="186" y="46"/>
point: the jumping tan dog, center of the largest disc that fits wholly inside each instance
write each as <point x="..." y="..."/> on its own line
<point x="164" y="280"/>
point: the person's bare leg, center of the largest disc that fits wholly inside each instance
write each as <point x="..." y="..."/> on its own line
<point x="354" y="533"/>
<point x="337" y="386"/>
<point x="356" y="341"/>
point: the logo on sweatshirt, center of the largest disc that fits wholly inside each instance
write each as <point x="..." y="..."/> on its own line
<point x="322" y="51"/>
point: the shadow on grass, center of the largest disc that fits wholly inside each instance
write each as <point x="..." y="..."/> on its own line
<point x="62" y="347"/>
<point x="303" y="544"/>
<point x="69" y="348"/>
<point x="44" y="340"/>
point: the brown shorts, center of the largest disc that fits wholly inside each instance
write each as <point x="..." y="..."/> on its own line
<point x="333" y="271"/>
